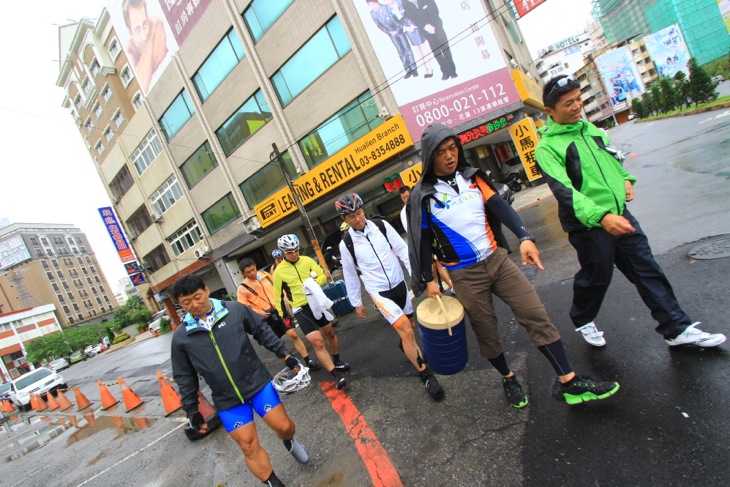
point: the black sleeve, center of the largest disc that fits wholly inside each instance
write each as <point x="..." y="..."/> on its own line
<point x="261" y="331"/>
<point x="508" y="216"/>
<point x="186" y="378"/>
<point x="426" y="255"/>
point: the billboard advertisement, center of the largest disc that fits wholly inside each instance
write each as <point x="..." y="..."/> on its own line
<point x="182" y="15"/>
<point x="668" y="51"/>
<point x="441" y="59"/>
<point x="117" y="234"/>
<point x="724" y="6"/>
<point x="620" y="77"/>
<point x="525" y="6"/>
<point x="146" y="37"/>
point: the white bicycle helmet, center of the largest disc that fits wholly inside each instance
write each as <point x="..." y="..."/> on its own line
<point x="288" y="381"/>
<point x="288" y="242"/>
<point x="276" y="254"/>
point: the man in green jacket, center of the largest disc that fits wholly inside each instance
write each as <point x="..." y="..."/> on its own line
<point x="592" y="188"/>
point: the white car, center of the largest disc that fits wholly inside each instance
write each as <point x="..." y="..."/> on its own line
<point x="154" y="325"/>
<point x="39" y="381"/>
<point x="59" y="364"/>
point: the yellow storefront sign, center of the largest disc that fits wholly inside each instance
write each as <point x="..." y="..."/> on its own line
<point x="411" y="175"/>
<point x="524" y="136"/>
<point x="528" y="89"/>
<point x="377" y="146"/>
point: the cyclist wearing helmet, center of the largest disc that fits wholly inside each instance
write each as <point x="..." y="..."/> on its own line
<point x="376" y="257"/>
<point x="289" y="277"/>
<point x="257" y="292"/>
<point x="278" y="257"/>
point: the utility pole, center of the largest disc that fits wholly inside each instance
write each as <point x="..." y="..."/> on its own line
<point x="305" y="218"/>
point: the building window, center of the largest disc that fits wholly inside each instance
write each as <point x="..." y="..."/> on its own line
<point x="67" y="311"/>
<point x="94" y="68"/>
<point x="97" y="110"/>
<point x="221" y="213"/>
<point x="198" y="165"/>
<point x="77" y="102"/>
<point x="99" y="147"/>
<point x="315" y="57"/>
<point x="185" y="238"/>
<point x="344" y="127"/>
<point x="89" y="124"/>
<point x="146" y="152"/>
<point x="106" y="93"/>
<point x="118" y="118"/>
<point x="86" y="86"/>
<point x="166" y="195"/>
<point x="108" y="134"/>
<point x="137" y="101"/>
<point x="266" y="181"/>
<point x="121" y="182"/>
<point x="226" y="55"/>
<point x="177" y="115"/>
<point x="50" y="276"/>
<point x="262" y="14"/>
<point x="126" y="75"/>
<point x="139" y="221"/>
<point x="44" y="264"/>
<point x="158" y="258"/>
<point x="114" y="49"/>
<point x="247" y="120"/>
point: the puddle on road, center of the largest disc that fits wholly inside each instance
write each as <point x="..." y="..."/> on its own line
<point x="123" y="425"/>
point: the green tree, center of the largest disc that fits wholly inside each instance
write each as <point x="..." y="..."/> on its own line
<point x="637" y="106"/>
<point x="681" y="87"/>
<point x="668" y="95"/>
<point x="656" y="97"/>
<point x="48" y="347"/>
<point x="134" y="311"/>
<point x="701" y="86"/>
<point x="648" y="101"/>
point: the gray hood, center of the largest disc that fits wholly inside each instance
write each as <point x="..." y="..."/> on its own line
<point x="432" y="137"/>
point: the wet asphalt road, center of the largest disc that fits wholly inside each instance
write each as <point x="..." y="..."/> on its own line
<point x="667" y="426"/>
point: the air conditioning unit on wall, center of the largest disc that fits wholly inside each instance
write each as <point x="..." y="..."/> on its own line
<point x="156" y="217"/>
<point x="202" y="251"/>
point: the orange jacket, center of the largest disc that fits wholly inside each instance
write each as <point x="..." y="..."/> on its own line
<point x="263" y="298"/>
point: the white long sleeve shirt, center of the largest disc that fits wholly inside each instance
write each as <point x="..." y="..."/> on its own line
<point x="377" y="259"/>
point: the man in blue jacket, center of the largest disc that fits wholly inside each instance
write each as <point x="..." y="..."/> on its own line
<point x="213" y="342"/>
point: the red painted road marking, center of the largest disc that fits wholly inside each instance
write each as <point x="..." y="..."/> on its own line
<point x="376" y="459"/>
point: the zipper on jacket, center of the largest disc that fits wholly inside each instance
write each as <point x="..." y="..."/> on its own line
<point x="615" y="199"/>
<point x="225" y="367"/>
<point x="378" y="257"/>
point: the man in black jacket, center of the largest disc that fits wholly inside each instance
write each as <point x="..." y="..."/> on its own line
<point x="213" y="341"/>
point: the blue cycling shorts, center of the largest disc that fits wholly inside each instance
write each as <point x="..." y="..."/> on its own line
<point x="262" y="402"/>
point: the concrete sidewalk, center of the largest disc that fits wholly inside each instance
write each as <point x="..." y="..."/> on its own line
<point x="529" y="196"/>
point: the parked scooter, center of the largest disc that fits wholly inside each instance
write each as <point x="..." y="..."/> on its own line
<point x="513" y="182"/>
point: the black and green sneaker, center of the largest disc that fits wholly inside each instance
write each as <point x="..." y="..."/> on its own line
<point x="513" y="390"/>
<point x="583" y="389"/>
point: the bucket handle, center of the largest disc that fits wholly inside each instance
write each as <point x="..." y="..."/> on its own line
<point x="446" y="315"/>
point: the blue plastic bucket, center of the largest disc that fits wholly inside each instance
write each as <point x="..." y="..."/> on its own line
<point x="443" y="336"/>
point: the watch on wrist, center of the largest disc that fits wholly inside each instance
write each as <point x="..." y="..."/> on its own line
<point x="528" y="237"/>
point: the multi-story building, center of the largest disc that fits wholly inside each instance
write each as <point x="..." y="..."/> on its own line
<point x="54" y="264"/>
<point x="563" y="57"/>
<point x="701" y="22"/>
<point x="189" y="160"/>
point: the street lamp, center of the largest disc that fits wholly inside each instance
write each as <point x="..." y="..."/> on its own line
<point x="305" y="218"/>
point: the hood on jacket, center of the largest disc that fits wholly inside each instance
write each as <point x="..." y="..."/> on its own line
<point x="431" y="139"/>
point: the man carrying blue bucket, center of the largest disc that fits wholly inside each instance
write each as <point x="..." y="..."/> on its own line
<point x="454" y="212"/>
<point x="371" y="248"/>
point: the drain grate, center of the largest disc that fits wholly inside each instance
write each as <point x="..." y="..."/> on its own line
<point x="713" y="248"/>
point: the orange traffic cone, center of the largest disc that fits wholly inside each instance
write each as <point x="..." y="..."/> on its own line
<point x="90" y="419"/>
<point x="63" y="401"/>
<point x="131" y="400"/>
<point x="33" y="403"/>
<point x="170" y="397"/>
<point x="7" y="406"/>
<point x="62" y="421"/>
<point x="52" y="402"/>
<point x="204" y="407"/>
<point x="40" y="403"/>
<point x="141" y="423"/>
<point x="107" y="400"/>
<point x="118" y="422"/>
<point x="81" y="401"/>
<point x="73" y="420"/>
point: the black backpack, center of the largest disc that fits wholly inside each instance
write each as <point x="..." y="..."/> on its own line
<point x="351" y="247"/>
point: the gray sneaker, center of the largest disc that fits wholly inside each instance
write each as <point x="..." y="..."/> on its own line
<point x="297" y="450"/>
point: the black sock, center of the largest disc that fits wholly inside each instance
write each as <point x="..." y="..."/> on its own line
<point x="287" y="444"/>
<point x="273" y="481"/>
<point x="567" y="384"/>
<point x="555" y="353"/>
<point x="336" y="357"/>
<point x="500" y="363"/>
<point x="305" y="358"/>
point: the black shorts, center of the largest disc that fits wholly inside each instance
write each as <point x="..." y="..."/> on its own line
<point x="307" y="322"/>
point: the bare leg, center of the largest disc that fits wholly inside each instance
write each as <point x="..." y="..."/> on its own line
<point x="317" y="341"/>
<point x="329" y="334"/>
<point x="404" y="327"/>
<point x="299" y="345"/>
<point x="256" y="458"/>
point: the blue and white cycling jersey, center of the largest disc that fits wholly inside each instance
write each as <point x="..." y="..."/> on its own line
<point x="452" y="220"/>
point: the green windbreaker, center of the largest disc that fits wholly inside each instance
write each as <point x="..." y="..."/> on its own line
<point x="586" y="179"/>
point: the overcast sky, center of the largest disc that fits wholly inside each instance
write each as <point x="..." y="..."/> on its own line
<point x="48" y="174"/>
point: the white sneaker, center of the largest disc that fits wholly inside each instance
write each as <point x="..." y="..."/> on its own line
<point x="694" y="336"/>
<point x="591" y="334"/>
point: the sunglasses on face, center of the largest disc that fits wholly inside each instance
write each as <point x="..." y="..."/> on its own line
<point x="291" y="251"/>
